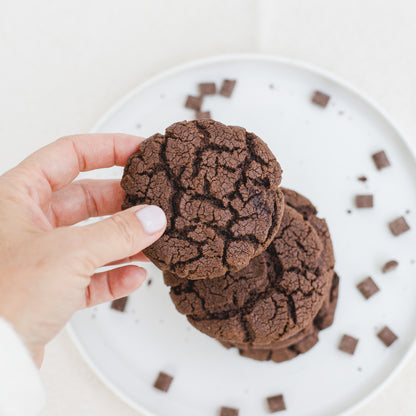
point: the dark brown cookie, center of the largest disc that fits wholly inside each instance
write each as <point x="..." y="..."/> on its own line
<point x="277" y="295"/>
<point x="218" y="186"/>
<point x="300" y="343"/>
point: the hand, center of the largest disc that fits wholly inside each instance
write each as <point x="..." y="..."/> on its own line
<point x="47" y="269"/>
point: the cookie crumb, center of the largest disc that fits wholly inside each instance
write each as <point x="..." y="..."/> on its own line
<point x="227" y="88"/>
<point x="390" y="266"/>
<point x="149" y="282"/>
<point x="119" y="304"/>
<point x="387" y="336"/>
<point x="381" y="160"/>
<point x="163" y="382"/>
<point x="362" y="178"/>
<point x="368" y="287"/>
<point x="399" y="226"/>
<point x="348" y="344"/>
<point x="321" y="99"/>
<point x="349" y="211"/>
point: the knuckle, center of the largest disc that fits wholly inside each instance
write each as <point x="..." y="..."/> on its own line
<point x="125" y="231"/>
<point x="80" y="258"/>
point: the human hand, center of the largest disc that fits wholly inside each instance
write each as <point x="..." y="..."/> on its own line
<point x="47" y="269"/>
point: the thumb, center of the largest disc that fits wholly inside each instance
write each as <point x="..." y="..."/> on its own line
<point x="123" y="234"/>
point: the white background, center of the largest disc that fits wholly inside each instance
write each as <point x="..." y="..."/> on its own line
<point x="63" y="63"/>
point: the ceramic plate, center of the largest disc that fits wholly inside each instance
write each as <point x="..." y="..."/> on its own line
<point x="322" y="152"/>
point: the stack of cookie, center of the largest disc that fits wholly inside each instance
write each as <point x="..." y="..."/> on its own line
<point x="249" y="263"/>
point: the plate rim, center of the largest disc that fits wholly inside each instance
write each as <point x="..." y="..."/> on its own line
<point x="233" y="57"/>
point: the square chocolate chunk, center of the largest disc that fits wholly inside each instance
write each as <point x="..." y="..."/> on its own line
<point x="227" y="87"/>
<point x="201" y="115"/>
<point x="228" y="411"/>
<point x="194" y="103"/>
<point x="119" y="304"/>
<point x="364" y="201"/>
<point x="207" y="88"/>
<point x="390" y="266"/>
<point x="321" y="99"/>
<point x="163" y="381"/>
<point x="380" y="159"/>
<point x="387" y="336"/>
<point x="348" y="344"/>
<point x="399" y="226"/>
<point x="276" y="403"/>
<point x="368" y="287"/>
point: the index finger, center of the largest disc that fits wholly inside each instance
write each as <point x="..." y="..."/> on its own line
<point x="59" y="163"/>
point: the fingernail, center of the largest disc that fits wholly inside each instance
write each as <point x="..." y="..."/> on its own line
<point x="152" y="218"/>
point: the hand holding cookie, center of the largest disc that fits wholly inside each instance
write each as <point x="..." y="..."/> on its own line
<point x="47" y="269"/>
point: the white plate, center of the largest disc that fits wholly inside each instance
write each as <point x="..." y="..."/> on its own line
<point x="322" y="152"/>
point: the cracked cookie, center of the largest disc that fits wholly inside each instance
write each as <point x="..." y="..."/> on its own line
<point x="218" y="186"/>
<point x="299" y="343"/>
<point x="277" y="295"/>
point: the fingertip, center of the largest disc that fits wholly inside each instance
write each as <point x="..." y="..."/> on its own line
<point x="133" y="277"/>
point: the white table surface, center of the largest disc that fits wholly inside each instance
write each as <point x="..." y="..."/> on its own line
<point x="63" y="63"/>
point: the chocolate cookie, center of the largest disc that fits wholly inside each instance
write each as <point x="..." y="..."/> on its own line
<point x="300" y="343"/>
<point x="218" y="186"/>
<point x="277" y="295"/>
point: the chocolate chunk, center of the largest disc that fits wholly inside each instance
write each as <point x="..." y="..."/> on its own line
<point x="348" y="344"/>
<point x="227" y="87"/>
<point x="119" y="304"/>
<point x="390" y="266"/>
<point x="399" y="226"/>
<point x="387" y="336"/>
<point x="228" y="411"/>
<point x="200" y="115"/>
<point x="380" y="159"/>
<point x="362" y="178"/>
<point x="276" y="403"/>
<point x="207" y="88"/>
<point x="320" y="99"/>
<point x="194" y="103"/>
<point x="364" y="201"/>
<point x="368" y="287"/>
<point x="163" y="381"/>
